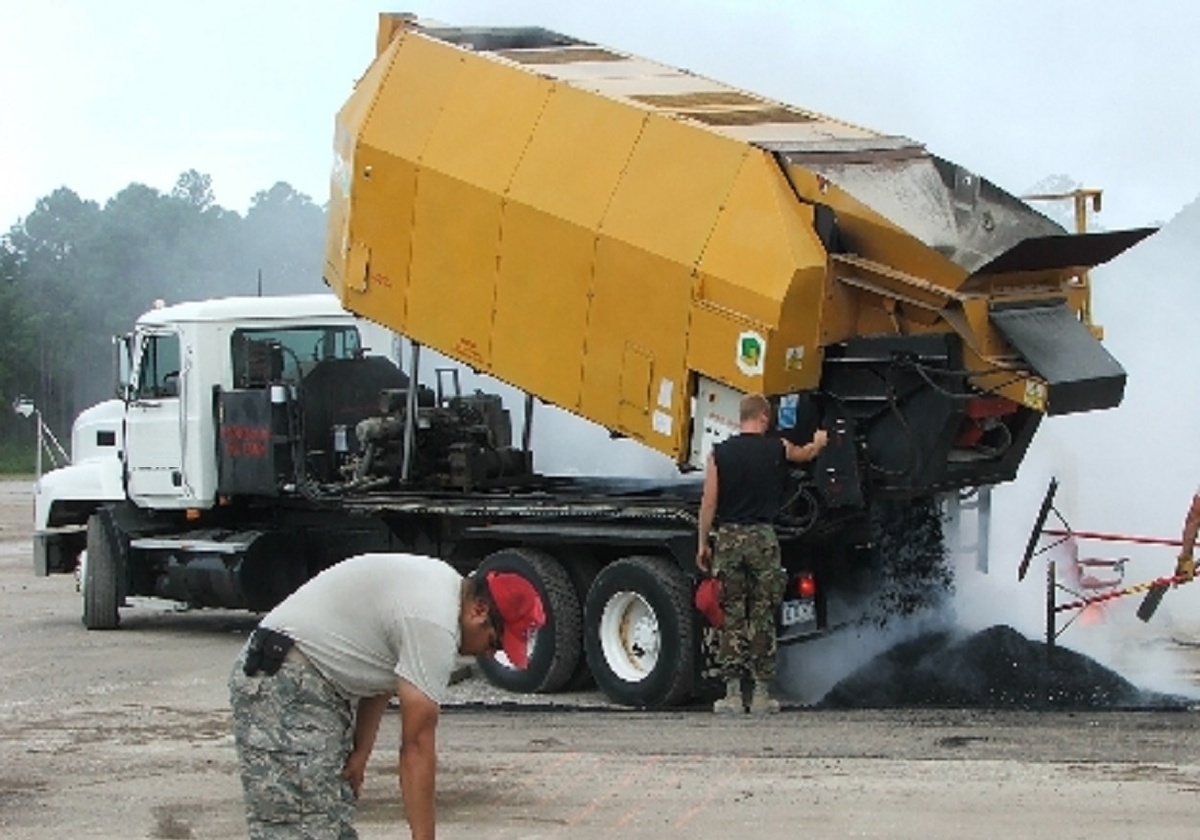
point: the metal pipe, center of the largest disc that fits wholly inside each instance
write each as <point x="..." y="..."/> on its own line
<point x="1050" y="577"/>
<point x="1107" y="537"/>
<point x="527" y="425"/>
<point x="410" y="410"/>
<point x="983" y="529"/>
<point x="40" y="443"/>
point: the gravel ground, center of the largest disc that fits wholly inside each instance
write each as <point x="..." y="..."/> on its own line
<point x="126" y="735"/>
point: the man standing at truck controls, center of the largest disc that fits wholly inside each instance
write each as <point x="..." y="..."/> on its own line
<point x="743" y="493"/>
<point x="314" y="680"/>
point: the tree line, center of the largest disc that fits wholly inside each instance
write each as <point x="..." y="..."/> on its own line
<point x="74" y="273"/>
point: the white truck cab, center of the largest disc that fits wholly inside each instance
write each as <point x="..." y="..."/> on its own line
<point x="154" y="447"/>
<point x="181" y="353"/>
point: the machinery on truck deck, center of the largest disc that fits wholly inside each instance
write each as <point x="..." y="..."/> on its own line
<point x="640" y="246"/>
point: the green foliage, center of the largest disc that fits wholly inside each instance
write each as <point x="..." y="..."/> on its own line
<point x="73" y="274"/>
<point x="195" y="189"/>
<point x="17" y="455"/>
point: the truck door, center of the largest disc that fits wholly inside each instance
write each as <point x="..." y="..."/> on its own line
<point x="154" y="438"/>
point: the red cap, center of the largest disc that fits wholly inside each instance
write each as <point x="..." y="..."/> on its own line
<point x="520" y="608"/>
<point x="708" y="601"/>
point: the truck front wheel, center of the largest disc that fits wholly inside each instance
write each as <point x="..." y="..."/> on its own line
<point x="99" y="577"/>
<point x="555" y="650"/>
<point x="638" y="632"/>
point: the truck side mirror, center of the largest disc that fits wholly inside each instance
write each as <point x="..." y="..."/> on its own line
<point x="123" y="365"/>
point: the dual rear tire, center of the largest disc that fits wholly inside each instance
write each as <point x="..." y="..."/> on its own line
<point x="628" y="625"/>
<point x="639" y="632"/>
<point x="555" y="650"/>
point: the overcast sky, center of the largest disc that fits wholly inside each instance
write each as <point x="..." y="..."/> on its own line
<point x="101" y="94"/>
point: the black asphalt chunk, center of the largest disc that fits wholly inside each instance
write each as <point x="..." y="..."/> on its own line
<point x="994" y="668"/>
<point x="915" y="573"/>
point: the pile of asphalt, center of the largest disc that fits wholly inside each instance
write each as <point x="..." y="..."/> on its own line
<point x="994" y="668"/>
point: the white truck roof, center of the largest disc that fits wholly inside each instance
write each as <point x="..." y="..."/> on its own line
<point x="281" y="307"/>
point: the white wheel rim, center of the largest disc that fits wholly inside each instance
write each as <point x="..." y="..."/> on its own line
<point x="630" y="636"/>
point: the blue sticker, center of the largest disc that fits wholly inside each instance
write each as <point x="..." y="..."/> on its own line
<point x="787" y="411"/>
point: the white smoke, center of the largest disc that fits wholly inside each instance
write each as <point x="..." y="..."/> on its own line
<point x="1131" y="470"/>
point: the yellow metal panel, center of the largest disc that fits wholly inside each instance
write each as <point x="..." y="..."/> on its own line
<point x="763" y="265"/>
<point x="347" y="127"/>
<point x="637" y="369"/>
<point x="357" y="265"/>
<point x="761" y="236"/>
<point x="673" y="187"/>
<point x="397" y="102"/>
<point x="383" y="196"/>
<point x="715" y="346"/>
<point x="410" y="99"/>
<point x="486" y="123"/>
<point x="643" y="300"/>
<point x="875" y="237"/>
<point x="456" y="228"/>
<point x="575" y="159"/>
<point x="541" y="303"/>
<point x="794" y="358"/>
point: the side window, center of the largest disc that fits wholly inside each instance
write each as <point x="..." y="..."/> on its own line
<point x="289" y="353"/>
<point x="158" y="367"/>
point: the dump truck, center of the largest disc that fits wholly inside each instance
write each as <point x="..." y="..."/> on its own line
<point x="639" y="246"/>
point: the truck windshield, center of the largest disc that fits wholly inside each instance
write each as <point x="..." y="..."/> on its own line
<point x="287" y="354"/>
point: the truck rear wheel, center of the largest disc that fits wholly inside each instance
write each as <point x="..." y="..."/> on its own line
<point x="99" y="578"/>
<point x="638" y="628"/>
<point x="582" y="570"/>
<point x="556" y="649"/>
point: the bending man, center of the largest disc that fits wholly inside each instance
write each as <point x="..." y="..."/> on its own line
<point x="314" y="679"/>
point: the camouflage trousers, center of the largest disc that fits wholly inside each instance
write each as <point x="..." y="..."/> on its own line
<point x="293" y="732"/>
<point x="747" y="563"/>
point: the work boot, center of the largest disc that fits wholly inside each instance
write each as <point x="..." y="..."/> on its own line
<point x="761" y="702"/>
<point x="731" y="703"/>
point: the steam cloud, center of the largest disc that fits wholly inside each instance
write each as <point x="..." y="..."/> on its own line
<point x="1130" y="470"/>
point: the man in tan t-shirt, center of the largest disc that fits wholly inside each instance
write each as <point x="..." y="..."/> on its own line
<point x="313" y="681"/>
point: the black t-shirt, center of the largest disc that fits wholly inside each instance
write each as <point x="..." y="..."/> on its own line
<point x="750" y="476"/>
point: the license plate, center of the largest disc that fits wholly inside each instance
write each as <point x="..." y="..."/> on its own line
<point x="797" y="612"/>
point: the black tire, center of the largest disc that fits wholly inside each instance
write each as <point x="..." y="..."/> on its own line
<point x="101" y="595"/>
<point x="639" y="632"/>
<point x="582" y="570"/>
<point x="558" y="646"/>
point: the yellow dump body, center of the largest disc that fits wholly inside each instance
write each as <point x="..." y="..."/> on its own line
<point x="619" y="238"/>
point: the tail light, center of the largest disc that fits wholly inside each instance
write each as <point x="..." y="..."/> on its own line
<point x="806" y="585"/>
